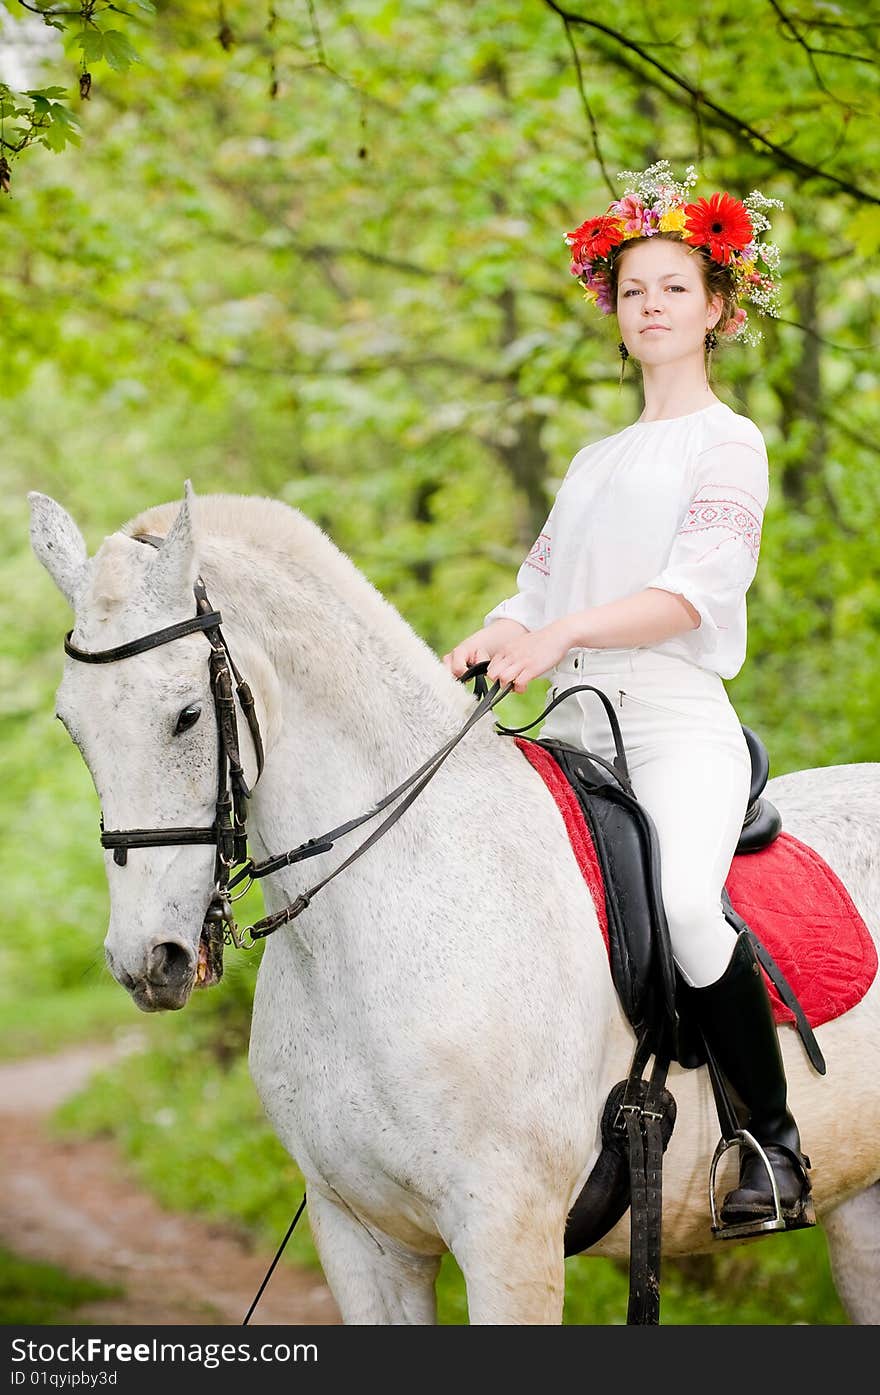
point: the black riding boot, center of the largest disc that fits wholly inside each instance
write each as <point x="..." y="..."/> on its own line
<point x="736" y="1018"/>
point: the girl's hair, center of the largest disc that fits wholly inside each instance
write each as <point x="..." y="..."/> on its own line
<point x="717" y="279"/>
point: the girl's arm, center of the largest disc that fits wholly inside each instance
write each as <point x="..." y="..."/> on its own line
<point x="649" y="617"/>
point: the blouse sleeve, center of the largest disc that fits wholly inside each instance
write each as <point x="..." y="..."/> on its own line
<point x="714" y="556"/>
<point x="527" y="606"/>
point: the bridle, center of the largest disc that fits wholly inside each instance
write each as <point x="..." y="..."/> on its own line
<point x="228" y="832"/>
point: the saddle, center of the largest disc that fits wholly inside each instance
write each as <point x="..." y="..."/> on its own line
<point x="625" y="840"/>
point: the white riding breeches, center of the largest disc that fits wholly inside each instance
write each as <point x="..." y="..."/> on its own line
<point x="690" y="769"/>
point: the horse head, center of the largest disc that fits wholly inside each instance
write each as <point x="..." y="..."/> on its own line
<point x="145" y="727"/>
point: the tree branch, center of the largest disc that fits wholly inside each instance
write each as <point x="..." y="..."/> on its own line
<point x="725" y="118"/>
<point x="588" y="109"/>
<point x="799" y="39"/>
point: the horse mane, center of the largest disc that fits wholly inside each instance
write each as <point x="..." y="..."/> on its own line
<point x="277" y="531"/>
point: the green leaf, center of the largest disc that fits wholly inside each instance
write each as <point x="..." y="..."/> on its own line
<point x="65" y="116"/>
<point x="91" y="41"/>
<point x="58" y="135"/>
<point x="118" y="51"/>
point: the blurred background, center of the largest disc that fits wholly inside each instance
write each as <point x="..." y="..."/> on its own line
<point x="315" y="251"/>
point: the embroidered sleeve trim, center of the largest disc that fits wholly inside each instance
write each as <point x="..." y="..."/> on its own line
<point x="539" y="557"/>
<point x="729" y="514"/>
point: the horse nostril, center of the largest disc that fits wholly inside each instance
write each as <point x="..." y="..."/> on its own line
<point x="169" y="963"/>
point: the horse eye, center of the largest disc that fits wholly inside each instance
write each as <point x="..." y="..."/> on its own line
<point x="188" y="717"/>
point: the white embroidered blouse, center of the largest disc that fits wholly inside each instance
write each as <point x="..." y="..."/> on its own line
<point x="675" y="505"/>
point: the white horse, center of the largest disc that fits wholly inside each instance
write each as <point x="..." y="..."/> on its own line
<point x="434" y="1039"/>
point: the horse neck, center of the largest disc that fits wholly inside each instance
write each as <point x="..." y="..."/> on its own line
<point x="359" y="701"/>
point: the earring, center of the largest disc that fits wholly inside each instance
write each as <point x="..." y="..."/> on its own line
<point x="624" y="355"/>
<point x="711" y="341"/>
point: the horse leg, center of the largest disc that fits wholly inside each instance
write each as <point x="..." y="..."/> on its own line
<point x="374" y="1280"/>
<point x="853" y="1234"/>
<point x="513" y="1267"/>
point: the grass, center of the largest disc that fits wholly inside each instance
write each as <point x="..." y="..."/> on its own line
<point x="32" y="1026"/>
<point x="34" y="1294"/>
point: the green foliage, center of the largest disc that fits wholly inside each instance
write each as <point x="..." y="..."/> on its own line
<point x="111" y="45"/>
<point x="353" y="295"/>
<point x="37" y="1021"/>
<point x="37" y="117"/>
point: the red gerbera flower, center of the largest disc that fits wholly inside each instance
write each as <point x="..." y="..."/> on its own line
<point x="595" y="238"/>
<point x="720" y="223"/>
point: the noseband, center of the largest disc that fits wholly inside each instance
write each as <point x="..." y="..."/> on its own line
<point x="228" y="832"/>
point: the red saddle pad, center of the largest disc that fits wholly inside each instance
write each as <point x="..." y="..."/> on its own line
<point x="787" y="894"/>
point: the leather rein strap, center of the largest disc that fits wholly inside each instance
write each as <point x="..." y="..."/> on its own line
<point x="415" y="784"/>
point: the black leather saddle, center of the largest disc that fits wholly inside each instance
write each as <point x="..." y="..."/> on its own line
<point x="625" y="839"/>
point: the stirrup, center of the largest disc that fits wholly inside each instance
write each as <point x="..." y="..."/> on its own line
<point x="739" y="1230"/>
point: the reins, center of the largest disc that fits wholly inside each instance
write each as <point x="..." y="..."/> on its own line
<point x="228" y="832"/>
<point x="414" y="783"/>
<point x="488" y="698"/>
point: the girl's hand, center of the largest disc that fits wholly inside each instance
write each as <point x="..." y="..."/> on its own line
<point x="479" y="648"/>
<point x="525" y="658"/>
<point x="470" y="651"/>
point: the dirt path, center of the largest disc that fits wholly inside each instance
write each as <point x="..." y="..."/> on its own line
<point x="75" y="1204"/>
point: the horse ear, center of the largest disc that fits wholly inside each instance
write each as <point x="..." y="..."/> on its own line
<point x="176" y="565"/>
<point x="58" y="544"/>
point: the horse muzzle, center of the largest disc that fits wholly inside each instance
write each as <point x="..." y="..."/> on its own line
<point x="162" y="978"/>
<point x="167" y="978"/>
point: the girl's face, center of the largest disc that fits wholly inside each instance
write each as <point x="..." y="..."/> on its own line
<point x="662" y="309"/>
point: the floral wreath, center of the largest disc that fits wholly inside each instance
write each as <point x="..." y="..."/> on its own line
<point x="654" y="202"/>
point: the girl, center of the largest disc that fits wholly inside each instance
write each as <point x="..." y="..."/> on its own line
<point x="637" y="585"/>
